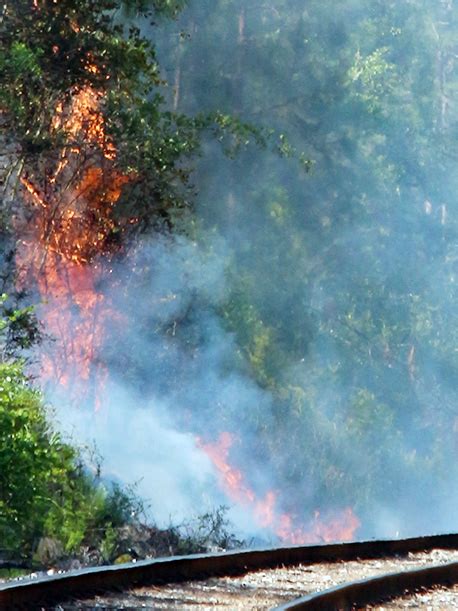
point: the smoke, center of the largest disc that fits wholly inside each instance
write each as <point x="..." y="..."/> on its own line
<point x="346" y="277"/>
<point x="313" y="317"/>
<point x="140" y="448"/>
<point x="174" y="381"/>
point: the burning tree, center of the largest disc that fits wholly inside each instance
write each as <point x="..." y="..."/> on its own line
<point x="78" y="78"/>
<point x="90" y="157"/>
<point x="97" y="156"/>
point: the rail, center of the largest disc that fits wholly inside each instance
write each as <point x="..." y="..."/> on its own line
<point x="82" y="583"/>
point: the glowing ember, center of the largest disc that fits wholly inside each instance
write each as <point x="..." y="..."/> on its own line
<point x="340" y="526"/>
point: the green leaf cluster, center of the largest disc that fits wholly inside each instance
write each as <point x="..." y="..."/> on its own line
<point x="45" y="488"/>
<point x="48" y="488"/>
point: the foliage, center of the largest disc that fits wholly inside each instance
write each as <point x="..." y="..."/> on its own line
<point x="46" y="489"/>
<point x="53" y="506"/>
<point x="50" y="501"/>
<point x="342" y="286"/>
<point x="208" y="531"/>
<point x="50" y="51"/>
<point x="19" y="328"/>
<point x="343" y="289"/>
<point x="376" y="77"/>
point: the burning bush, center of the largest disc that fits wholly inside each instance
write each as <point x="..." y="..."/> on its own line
<point x="54" y="504"/>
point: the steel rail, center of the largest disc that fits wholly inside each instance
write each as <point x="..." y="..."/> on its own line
<point x="373" y="590"/>
<point x="86" y="582"/>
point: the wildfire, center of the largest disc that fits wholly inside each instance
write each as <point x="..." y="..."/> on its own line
<point x="341" y="526"/>
<point x="67" y="236"/>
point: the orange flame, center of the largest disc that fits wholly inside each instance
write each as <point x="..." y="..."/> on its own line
<point x="341" y="526"/>
<point x="68" y="225"/>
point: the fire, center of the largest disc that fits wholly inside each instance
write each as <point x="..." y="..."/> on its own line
<point x="337" y="526"/>
<point x="340" y="526"/>
<point x="67" y="235"/>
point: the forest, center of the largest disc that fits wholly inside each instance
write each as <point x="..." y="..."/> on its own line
<point x="228" y="267"/>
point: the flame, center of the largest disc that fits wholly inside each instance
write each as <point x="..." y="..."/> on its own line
<point x="339" y="526"/>
<point x="67" y="239"/>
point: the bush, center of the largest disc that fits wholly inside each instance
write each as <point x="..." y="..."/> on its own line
<point x="45" y="490"/>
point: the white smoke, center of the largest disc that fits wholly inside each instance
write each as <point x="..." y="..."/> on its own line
<point x="151" y="424"/>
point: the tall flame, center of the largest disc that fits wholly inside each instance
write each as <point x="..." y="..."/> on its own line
<point x="66" y="228"/>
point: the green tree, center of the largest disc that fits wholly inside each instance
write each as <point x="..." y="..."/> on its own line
<point x="47" y="490"/>
<point x="343" y="286"/>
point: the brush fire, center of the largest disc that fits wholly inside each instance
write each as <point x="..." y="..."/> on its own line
<point x="65" y="247"/>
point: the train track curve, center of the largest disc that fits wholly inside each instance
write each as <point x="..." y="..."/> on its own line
<point x="50" y="590"/>
<point x="374" y="589"/>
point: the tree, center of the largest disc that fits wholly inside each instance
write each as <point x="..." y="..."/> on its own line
<point x="94" y="53"/>
<point x="352" y="343"/>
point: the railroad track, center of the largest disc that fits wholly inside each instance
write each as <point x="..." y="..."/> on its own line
<point x="282" y="578"/>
